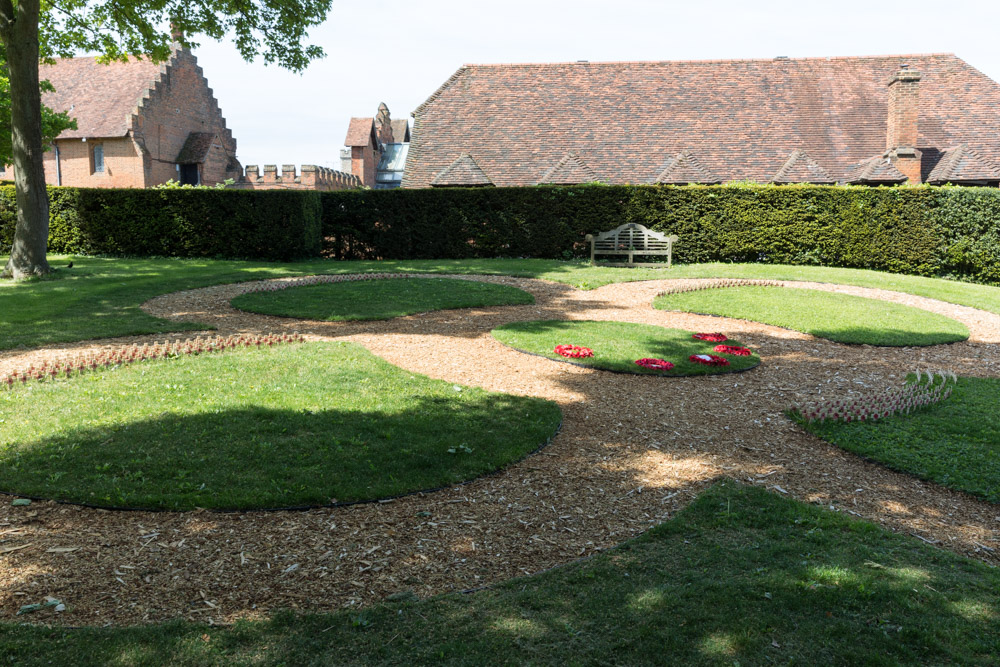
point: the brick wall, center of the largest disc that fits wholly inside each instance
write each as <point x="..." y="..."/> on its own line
<point x="180" y="103"/>
<point x="122" y="164"/>
<point x="364" y="160"/>
<point x="311" y="177"/>
<point x="903" y="124"/>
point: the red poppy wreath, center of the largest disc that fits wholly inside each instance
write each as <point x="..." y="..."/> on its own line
<point x="654" y="364"/>
<point x="710" y="337"/>
<point x="734" y="350"/>
<point x="574" y="351"/>
<point x="708" y="360"/>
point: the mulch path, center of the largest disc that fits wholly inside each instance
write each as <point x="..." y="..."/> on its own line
<point x="632" y="451"/>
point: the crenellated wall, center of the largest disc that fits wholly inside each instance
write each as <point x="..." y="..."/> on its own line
<point x="310" y="177"/>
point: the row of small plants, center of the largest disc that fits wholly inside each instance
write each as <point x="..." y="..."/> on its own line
<point x="923" y="391"/>
<point x="578" y="352"/>
<point x="721" y="283"/>
<point x="145" y="352"/>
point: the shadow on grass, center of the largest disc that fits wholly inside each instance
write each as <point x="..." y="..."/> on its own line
<point x="740" y="576"/>
<point x="889" y="337"/>
<point x="265" y="458"/>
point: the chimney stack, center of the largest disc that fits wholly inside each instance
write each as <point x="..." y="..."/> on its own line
<point x="902" y="125"/>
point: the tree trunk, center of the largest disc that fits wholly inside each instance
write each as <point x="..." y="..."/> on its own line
<point x="31" y="235"/>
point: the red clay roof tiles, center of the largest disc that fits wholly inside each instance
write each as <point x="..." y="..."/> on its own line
<point x="685" y="168"/>
<point x="570" y="170"/>
<point x="800" y="168"/>
<point x="741" y="119"/>
<point x="875" y="170"/>
<point x="462" y="172"/>
<point x="961" y="164"/>
<point x="360" y="132"/>
<point x="101" y="97"/>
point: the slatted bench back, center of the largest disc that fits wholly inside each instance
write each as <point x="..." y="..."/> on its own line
<point x="629" y="240"/>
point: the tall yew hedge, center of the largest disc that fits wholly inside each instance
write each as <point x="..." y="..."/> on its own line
<point x="948" y="231"/>
<point x="918" y="230"/>
<point x="277" y="224"/>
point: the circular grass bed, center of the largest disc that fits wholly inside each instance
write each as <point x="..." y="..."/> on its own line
<point x="955" y="443"/>
<point x="380" y="299"/>
<point x="295" y="425"/>
<point x="842" y="318"/>
<point x="618" y="345"/>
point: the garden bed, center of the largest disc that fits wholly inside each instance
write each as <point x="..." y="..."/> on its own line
<point x="625" y="347"/>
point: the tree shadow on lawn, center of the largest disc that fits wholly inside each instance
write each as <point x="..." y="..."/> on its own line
<point x="263" y="457"/>
<point x="889" y="337"/>
<point x="740" y="575"/>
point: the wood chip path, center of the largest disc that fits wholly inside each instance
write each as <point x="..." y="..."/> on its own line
<point x="632" y="451"/>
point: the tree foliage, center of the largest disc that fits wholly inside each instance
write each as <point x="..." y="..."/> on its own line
<point x="52" y="123"/>
<point x="34" y="30"/>
<point x="272" y="29"/>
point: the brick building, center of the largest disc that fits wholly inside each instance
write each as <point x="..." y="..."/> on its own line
<point x="376" y="149"/>
<point x="866" y="120"/>
<point x="139" y="124"/>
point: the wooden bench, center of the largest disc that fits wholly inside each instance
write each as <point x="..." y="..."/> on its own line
<point x="630" y="240"/>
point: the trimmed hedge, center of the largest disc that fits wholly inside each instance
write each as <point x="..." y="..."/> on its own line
<point x="918" y="230"/>
<point x="276" y="224"/>
<point x="952" y="231"/>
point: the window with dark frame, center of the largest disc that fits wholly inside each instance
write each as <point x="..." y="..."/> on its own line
<point x="98" y="158"/>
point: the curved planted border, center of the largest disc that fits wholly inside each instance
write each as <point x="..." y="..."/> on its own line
<point x="124" y="356"/>
<point x="626" y="363"/>
<point x="875" y="336"/>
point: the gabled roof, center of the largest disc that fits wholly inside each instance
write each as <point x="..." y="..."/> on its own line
<point x="102" y="98"/>
<point x="800" y="168"/>
<point x="361" y="132"/>
<point x="685" y="168"/>
<point x="875" y="170"/>
<point x="196" y="147"/>
<point x="741" y="118"/>
<point x="400" y="130"/>
<point x="570" y="170"/>
<point x="961" y="164"/>
<point x="463" y="171"/>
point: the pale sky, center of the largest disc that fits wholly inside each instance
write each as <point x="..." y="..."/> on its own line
<point x="399" y="52"/>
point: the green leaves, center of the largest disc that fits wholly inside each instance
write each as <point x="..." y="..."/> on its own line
<point x="272" y="29"/>
<point x="52" y="123"/>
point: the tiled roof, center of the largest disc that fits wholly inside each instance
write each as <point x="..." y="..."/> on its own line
<point x="463" y="171"/>
<point x="400" y="130"/>
<point x="570" y="170"/>
<point x="741" y="119"/>
<point x="875" y="170"/>
<point x="800" y="168"/>
<point x="360" y="132"/>
<point x="961" y="164"/>
<point x="685" y="168"/>
<point x="196" y="147"/>
<point x="102" y="98"/>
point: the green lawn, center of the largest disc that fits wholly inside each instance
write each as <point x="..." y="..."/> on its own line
<point x="838" y="317"/>
<point x="617" y="345"/>
<point x="379" y="299"/>
<point x="287" y="426"/>
<point x="100" y="297"/>
<point x="955" y="443"/>
<point x="741" y="577"/>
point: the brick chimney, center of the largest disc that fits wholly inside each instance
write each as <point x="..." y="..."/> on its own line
<point x="901" y="128"/>
<point x="383" y="124"/>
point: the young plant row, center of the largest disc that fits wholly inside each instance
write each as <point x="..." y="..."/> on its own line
<point x="720" y="283"/>
<point x="921" y="392"/>
<point x="50" y="370"/>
